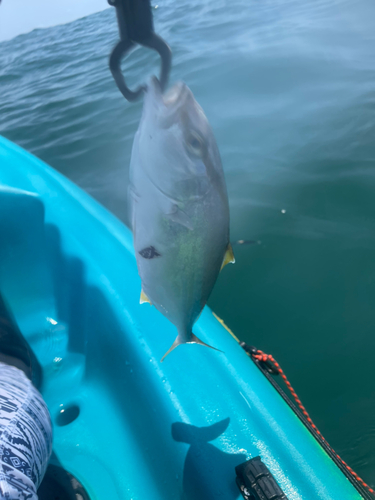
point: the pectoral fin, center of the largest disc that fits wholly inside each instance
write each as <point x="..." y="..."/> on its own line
<point x="178" y="216"/>
<point x="144" y="298"/>
<point x="228" y="257"/>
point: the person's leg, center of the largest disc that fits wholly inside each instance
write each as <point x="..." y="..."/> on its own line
<point x="25" y="424"/>
<point x="25" y="435"/>
<point x="14" y="350"/>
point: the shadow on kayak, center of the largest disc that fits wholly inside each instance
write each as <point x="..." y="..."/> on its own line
<point x="208" y="472"/>
<point x="114" y="398"/>
<point x="59" y="484"/>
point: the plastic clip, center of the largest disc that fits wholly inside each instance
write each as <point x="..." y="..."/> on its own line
<point x="256" y="482"/>
<point x="136" y="27"/>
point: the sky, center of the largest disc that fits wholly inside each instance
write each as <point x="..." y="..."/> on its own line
<point x="22" y="16"/>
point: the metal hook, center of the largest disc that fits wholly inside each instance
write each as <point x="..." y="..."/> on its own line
<point x="136" y="26"/>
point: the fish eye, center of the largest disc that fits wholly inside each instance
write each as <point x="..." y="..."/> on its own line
<point x="195" y="144"/>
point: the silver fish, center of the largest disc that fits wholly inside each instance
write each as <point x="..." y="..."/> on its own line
<point x="179" y="207"/>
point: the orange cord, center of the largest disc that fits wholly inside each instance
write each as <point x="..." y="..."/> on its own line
<point x="261" y="356"/>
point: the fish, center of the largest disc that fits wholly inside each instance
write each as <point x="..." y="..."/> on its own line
<point x="179" y="207"/>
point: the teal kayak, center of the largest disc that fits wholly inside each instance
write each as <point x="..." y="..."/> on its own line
<point x="125" y="425"/>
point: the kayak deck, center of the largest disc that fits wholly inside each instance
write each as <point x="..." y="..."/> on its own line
<point x="126" y="425"/>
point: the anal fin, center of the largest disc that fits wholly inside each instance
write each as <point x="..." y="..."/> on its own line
<point x="228" y="257"/>
<point x="144" y="298"/>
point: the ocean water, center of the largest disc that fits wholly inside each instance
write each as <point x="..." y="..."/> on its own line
<point x="289" y="89"/>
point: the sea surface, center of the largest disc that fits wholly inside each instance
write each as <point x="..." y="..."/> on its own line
<point x="289" y="89"/>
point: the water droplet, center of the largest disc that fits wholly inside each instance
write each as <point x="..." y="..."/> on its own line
<point x="57" y="363"/>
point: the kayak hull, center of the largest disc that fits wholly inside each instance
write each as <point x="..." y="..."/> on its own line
<point x="126" y="425"/>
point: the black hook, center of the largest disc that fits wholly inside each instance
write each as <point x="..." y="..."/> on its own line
<point x="136" y="27"/>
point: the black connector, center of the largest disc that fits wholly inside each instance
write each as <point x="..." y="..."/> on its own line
<point x="256" y="482"/>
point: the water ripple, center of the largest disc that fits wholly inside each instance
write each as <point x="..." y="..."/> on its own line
<point x="288" y="87"/>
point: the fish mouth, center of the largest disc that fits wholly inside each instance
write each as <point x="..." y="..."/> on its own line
<point x="153" y="91"/>
<point x="169" y="106"/>
<point x="176" y="103"/>
<point x="176" y="95"/>
<point x="174" y="98"/>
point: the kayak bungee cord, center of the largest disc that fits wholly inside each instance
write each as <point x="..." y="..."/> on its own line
<point x="272" y="366"/>
<point x="269" y="366"/>
<point x="136" y="26"/>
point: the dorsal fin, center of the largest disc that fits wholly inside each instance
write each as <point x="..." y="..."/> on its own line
<point x="144" y="298"/>
<point x="228" y="257"/>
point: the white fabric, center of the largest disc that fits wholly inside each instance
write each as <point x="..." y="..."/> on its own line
<point x="25" y="436"/>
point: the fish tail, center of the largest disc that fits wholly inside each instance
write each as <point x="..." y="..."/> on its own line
<point x="176" y="343"/>
<point x="196" y="340"/>
<point x="193" y="340"/>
